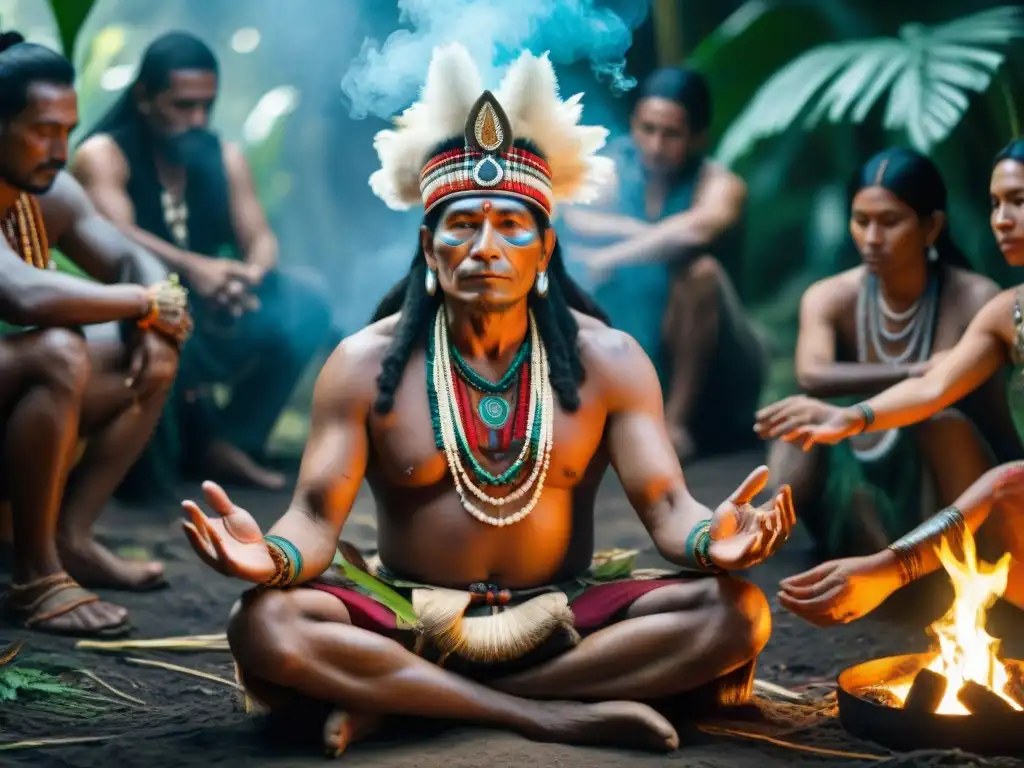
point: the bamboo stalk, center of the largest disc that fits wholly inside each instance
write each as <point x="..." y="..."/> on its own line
<point x="52" y="742"/>
<point x="186" y="670"/>
<point x="96" y="679"/>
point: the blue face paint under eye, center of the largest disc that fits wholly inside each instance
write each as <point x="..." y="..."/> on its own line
<point x="522" y="238"/>
<point x="450" y="238"/>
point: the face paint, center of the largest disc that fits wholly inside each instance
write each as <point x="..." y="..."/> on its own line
<point x="521" y="238"/>
<point x="450" y="238"/>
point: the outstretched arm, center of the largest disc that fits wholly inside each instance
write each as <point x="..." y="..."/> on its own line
<point x="980" y="353"/>
<point x="42" y="297"/>
<point x="333" y="463"/>
<point x="638" y="444"/>
<point x="718" y="207"/>
<point x="817" y="371"/>
<point x="91" y="241"/>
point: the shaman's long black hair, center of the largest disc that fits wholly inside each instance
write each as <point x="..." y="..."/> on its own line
<point x="555" y="322"/>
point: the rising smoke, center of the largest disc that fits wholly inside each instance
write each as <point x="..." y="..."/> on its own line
<point x="384" y="79"/>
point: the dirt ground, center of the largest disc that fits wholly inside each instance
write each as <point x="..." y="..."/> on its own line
<point x="188" y="721"/>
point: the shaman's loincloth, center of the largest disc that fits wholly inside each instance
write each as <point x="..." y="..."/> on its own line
<point x="486" y="631"/>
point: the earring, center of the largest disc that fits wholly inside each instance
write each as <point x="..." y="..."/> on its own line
<point x="541" y="284"/>
<point x="933" y="253"/>
<point x="430" y="282"/>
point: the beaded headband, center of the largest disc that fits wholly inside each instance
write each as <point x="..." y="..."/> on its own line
<point x="525" y="106"/>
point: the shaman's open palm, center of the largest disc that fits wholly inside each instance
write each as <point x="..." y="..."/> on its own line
<point x="231" y="543"/>
<point x="743" y="535"/>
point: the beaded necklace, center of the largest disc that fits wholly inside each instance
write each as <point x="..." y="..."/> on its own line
<point x="451" y="433"/>
<point x="25" y="231"/>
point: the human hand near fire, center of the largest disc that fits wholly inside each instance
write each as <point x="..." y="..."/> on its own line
<point x="841" y="591"/>
<point x="743" y="535"/>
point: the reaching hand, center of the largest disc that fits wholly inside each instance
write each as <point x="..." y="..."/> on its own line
<point x="1008" y="489"/>
<point x="840" y="591"/>
<point x="742" y="535"/>
<point x="807" y="422"/>
<point x="232" y="543"/>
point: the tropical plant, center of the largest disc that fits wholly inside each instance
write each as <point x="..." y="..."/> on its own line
<point x="929" y="74"/>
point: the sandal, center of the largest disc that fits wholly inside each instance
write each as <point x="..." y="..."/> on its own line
<point x="38" y="602"/>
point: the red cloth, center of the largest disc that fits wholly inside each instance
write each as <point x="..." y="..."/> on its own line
<point x="598" y="606"/>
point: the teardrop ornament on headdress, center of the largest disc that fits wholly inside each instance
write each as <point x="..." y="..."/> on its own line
<point x="487" y="126"/>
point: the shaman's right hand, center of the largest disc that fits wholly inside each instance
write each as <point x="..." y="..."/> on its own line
<point x="231" y="543"/>
<point x="807" y="422"/>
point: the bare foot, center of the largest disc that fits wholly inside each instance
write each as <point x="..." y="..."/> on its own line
<point x="227" y="462"/>
<point x="682" y="441"/>
<point x="342" y="729"/>
<point x="611" y="723"/>
<point x="93" y="565"/>
<point x="56" y="603"/>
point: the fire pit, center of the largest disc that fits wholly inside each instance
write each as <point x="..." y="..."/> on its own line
<point x="871" y="707"/>
<point x="963" y="695"/>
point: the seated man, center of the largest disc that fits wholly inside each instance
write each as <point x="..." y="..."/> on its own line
<point x="152" y="166"/>
<point x="107" y="385"/>
<point x="483" y="410"/>
<point x="669" y="258"/>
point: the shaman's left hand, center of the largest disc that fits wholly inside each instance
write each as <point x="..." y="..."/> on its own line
<point x="743" y="535"/>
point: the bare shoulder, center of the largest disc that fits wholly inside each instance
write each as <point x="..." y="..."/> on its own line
<point x="972" y="290"/>
<point x="99" y="157"/>
<point x="717" y="180"/>
<point x="63" y="204"/>
<point x="997" y="314"/>
<point x="831" y="294"/>
<point x="235" y="161"/>
<point x="615" y="360"/>
<point x="350" y="373"/>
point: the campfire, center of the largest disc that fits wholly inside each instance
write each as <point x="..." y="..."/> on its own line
<point x="963" y="694"/>
<point x="966" y="674"/>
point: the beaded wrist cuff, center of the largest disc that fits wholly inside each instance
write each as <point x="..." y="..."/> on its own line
<point x="948" y="523"/>
<point x="287" y="561"/>
<point x="698" y="542"/>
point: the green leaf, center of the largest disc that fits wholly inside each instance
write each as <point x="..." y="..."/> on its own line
<point x="378" y="590"/>
<point x="928" y="73"/>
<point x="70" y="16"/>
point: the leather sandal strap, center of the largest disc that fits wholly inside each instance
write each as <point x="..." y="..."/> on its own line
<point x="48" y="597"/>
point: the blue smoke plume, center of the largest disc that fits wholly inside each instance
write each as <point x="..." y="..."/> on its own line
<point x="384" y="79"/>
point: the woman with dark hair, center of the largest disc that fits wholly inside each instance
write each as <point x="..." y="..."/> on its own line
<point x="890" y="319"/>
<point x="846" y="589"/>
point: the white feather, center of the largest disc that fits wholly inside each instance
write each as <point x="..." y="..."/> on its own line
<point x="453" y="84"/>
<point x="529" y="96"/>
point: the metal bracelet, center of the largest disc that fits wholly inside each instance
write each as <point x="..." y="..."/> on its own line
<point x="869" y="416"/>
<point x="947" y="524"/>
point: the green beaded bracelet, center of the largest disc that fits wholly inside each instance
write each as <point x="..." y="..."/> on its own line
<point x="288" y="561"/>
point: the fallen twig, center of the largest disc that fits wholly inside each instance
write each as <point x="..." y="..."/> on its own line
<point x="52" y="742"/>
<point x="714" y="730"/>
<point x="12" y="650"/>
<point x="765" y="688"/>
<point x="96" y="679"/>
<point x="185" y="643"/>
<point x="187" y="671"/>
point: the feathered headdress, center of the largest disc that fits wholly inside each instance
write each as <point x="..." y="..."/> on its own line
<point x="526" y="106"/>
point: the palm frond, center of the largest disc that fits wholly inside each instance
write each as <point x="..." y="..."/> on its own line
<point x="928" y="73"/>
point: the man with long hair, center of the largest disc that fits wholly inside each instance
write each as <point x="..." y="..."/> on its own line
<point x="106" y="383"/>
<point x="153" y="166"/>
<point x="483" y="409"/>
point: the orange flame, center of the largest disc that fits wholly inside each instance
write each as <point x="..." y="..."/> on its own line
<point x="966" y="651"/>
